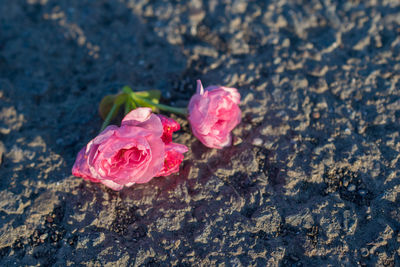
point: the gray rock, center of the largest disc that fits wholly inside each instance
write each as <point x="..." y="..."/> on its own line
<point x="2" y="152"/>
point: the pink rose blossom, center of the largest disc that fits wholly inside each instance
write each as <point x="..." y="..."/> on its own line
<point x="173" y="152"/>
<point x="132" y="153"/>
<point x="213" y="113"/>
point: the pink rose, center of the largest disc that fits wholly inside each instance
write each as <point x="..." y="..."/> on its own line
<point x="173" y="151"/>
<point x="132" y="153"/>
<point x="213" y="113"/>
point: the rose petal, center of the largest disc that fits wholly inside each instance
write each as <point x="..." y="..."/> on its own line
<point x="157" y="160"/>
<point x="112" y="185"/>
<point x="81" y="168"/>
<point x="169" y="127"/>
<point x="173" y="158"/>
<point x="233" y="93"/>
<point x="137" y="116"/>
<point x="143" y="118"/>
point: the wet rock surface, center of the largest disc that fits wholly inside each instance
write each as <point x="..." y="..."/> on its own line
<point x="313" y="177"/>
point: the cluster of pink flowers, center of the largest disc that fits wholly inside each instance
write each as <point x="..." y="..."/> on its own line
<point x="142" y="148"/>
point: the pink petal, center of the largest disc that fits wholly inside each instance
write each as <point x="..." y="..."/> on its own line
<point x="143" y="118"/>
<point x="169" y="127"/>
<point x="176" y="147"/>
<point x="200" y="89"/>
<point x="157" y="160"/>
<point x="112" y="185"/>
<point x="173" y="158"/>
<point x="137" y="116"/>
<point x="81" y="168"/>
<point x="233" y="93"/>
<point x="104" y="135"/>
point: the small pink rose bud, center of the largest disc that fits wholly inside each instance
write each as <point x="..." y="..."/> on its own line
<point x="213" y="114"/>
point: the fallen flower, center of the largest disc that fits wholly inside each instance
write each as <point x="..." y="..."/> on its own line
<point x="213" y="114"/>
<point x="132" y="153"/>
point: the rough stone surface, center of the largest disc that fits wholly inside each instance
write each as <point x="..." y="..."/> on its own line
<point x="312" y="180"/>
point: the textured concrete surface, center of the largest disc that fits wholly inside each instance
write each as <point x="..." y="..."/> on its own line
<point x="312" y="180"/>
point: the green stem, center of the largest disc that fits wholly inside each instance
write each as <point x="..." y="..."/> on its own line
<point x="133" y="103"/>
<point x="109" y="116"/>
<point x="127" y="107"/>
<point x="181" y="111"/>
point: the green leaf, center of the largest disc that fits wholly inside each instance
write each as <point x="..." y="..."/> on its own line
<point x="143" y="103"/>
<point x="108" y="101"/>
<point x="127" y="108"/>
<point x="153" y="95"/>
<point x="104" y="108"/>
<point x="132" y="103"/>
<point x="106" y="105"/>
<point x="144" y="95"/>
<point x="127" y="90"/>
<point x="121" y="99"/>
<point x="129" y="105"/>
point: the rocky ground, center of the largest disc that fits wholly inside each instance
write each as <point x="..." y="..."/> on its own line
<point x="313" y="178"/>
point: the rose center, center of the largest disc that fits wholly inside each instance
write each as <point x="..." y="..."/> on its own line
<point x="132" y="156"/>
<point x="218" y="126"/>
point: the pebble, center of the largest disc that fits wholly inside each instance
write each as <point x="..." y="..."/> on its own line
<point x="16" y="154"/>
<point x="257" y="141"/>
<point x="362" y="192"/>
<point x="237" y="140"/>
<point x="43" y="237"/>
<point x="364" y="252"/>
<point x="2" y="151"/>
<point x="316" y="115"/>
<point x="196" y="15"/>
<point x="351" y="188"/>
